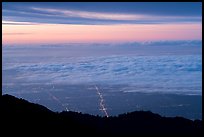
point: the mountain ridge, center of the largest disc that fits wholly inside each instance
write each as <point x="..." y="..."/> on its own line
<point x="20" y="114"/>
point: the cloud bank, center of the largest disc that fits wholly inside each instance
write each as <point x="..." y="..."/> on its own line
<point x="147" y="73"/>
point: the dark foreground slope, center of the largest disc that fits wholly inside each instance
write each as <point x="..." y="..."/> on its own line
<point x="23" y="118"/>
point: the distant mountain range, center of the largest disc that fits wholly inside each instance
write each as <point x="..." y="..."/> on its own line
<point x="20" y="117"/>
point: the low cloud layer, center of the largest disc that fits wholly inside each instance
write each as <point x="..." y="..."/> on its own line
<point x="161" y="73"/>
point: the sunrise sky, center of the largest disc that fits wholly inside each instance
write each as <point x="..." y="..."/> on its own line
<point x="37" y="23"/>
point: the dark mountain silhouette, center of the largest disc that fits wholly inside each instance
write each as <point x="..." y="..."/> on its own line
<point x="23" y="118"/>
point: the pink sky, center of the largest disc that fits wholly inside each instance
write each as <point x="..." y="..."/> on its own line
<point x="62" y="33"/>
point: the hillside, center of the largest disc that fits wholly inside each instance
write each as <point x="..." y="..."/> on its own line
<point x="21" y="117"/>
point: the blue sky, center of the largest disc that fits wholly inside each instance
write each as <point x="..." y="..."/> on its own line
<point x="102" y="12"/>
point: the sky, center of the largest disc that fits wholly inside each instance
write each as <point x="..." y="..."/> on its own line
<point x="99" y="22"/>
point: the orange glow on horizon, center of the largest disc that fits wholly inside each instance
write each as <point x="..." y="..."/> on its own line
<point x="66" y="33"/>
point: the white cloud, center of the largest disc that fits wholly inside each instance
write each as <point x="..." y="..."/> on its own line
<point x="166" y="73"/>
<point x="108" y="16"/>
<point x="4" y="22"/>
<point x="92" y="15"/>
